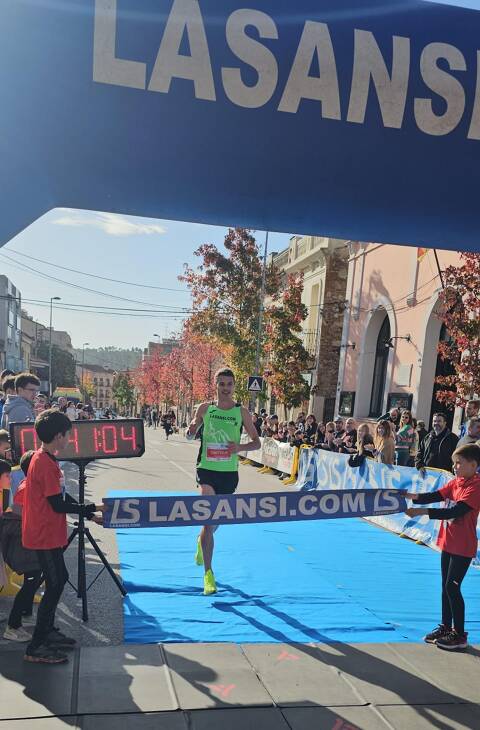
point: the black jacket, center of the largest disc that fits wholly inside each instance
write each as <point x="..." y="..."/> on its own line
<point x="357" y="460"/>
<point x="436" y="451"/>
<point x="19" y="559"/>
<point x="387" y="417"/>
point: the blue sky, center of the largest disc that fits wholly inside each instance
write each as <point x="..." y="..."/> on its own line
<point x="137" y="250"/>
<point x="475" y="4"/>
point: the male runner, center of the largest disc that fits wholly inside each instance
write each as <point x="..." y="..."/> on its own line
<point x="217" y="463"/>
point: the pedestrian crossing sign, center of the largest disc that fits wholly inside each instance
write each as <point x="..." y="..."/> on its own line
<point x="255" y="384"/>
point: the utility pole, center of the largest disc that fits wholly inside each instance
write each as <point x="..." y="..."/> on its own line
<point x="261" y="310"/>
<point x="50" y="389"/>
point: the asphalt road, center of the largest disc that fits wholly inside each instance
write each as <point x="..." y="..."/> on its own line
<point x="166" y="466"/>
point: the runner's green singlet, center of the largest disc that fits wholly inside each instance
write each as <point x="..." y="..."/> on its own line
<point x="220" y="427"/>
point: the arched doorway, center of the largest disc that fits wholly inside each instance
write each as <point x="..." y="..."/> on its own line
<point x="380" y="370"/>
<point x="443" y="368"/>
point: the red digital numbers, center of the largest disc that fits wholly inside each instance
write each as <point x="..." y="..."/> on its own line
<point x="96" y="444"/>
<point x="73" y="439"/>
<point x="28" y="439"/>
<point x="132" y="438"/>
<point x="88" y="440"/>
<point x="113" y="447"/>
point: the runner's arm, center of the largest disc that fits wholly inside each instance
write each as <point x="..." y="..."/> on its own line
<point x="197" y="420"/>
<point x="249" y="427"/>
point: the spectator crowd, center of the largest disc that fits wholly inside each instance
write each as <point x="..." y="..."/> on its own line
<point x="396" y="438"/>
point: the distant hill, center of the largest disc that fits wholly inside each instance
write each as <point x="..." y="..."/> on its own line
<point x="111" y="357"/>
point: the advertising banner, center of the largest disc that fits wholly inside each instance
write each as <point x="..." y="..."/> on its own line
<point x="181" y="511"/>
<point x="374" y="103"/>
<point x="319" y="469"/>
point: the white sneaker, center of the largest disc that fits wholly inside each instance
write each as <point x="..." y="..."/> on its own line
<point x="19" y="634"/>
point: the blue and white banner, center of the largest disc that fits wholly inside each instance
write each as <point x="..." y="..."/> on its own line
<point x="375" y="104"/>
<point x="235" y="509"/>
<point x="320" y="470"/>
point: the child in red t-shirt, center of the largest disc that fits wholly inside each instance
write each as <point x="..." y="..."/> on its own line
<point x="44" y="529"/>
<point x="457" y="539"/>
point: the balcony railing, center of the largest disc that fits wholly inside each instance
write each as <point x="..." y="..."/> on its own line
<point x="309" y="341"/>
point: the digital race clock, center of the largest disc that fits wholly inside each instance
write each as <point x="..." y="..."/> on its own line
<point x="88" y="440"/>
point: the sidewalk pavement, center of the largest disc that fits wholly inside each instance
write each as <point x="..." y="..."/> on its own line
<point x="244" y="687"/>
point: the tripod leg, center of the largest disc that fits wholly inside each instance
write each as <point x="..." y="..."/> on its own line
<point x="105" y="562"/>
<point x="82" y="575"/>
<point x="72" y="537"/>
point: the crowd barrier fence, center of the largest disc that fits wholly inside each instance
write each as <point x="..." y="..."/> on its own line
<point x="320" y="469"/>
<point x="274" y="454"/>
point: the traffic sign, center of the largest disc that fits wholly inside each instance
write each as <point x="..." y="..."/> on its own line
<point x="255" y="384"/>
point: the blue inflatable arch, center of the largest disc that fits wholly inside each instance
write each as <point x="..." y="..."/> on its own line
<point x="349" y="118"/>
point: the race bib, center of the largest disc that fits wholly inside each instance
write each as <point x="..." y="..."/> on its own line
<point x="217" y="452"/>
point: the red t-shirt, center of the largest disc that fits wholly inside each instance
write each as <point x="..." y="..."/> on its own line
<point x="459" y="536"/>
<point x="42" y="527"/>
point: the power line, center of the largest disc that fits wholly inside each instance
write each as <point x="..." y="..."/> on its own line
<point x="151" y="315"/>
<point x="96" y="276"/>
<point x="75" y="286"/>
<point x="98" y="307"/>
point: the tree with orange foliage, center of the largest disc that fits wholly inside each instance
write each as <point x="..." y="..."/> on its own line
<point x="226" y="295"/>
<point x="182" y="377"/>
<point x="287" y="357"/>
<point x="460" y="302"/>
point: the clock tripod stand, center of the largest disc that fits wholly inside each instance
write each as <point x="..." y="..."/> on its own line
<point x="83" y="533"/>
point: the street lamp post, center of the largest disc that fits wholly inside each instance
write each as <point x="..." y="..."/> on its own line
<point x="50" y="391"/>
<point x="85" y="344"/>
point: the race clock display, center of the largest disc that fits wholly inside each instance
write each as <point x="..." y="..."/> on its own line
<point x="88" y="440"/>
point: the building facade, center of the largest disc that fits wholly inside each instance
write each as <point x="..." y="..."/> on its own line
<point x="391" y="331"/>
<point x="324" y="265"/>
<point x="10" y="325"/>
<point x="102" y="380"/>
<point x="164" y="347"/>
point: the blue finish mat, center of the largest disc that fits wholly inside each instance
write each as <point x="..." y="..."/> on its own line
<point x="335" y="580"/>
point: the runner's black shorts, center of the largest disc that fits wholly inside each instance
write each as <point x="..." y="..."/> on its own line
<point x="223" y="482"/>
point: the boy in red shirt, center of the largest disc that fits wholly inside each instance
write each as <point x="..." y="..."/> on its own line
<point x="457" y="539"/>
<point x="44" y="529"/>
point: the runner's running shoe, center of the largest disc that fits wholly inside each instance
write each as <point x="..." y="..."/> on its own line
<point x="199" y="553"/>
<point x="439" y="633"/>
<point x="453" y="641"/>
<point x="209" y="585"/>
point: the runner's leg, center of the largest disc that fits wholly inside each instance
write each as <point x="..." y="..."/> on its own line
<point x="206" y="535"/>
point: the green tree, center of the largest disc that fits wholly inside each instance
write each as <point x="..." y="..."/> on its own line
<point x="63" y="365"/>
<point x="226" y="290"/>
<point x="287" y="357"/>
<point x="123" y="390"/>
<point x="88" y="388"/>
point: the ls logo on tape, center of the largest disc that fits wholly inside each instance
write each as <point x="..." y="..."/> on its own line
<point x="235" y="509"/>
